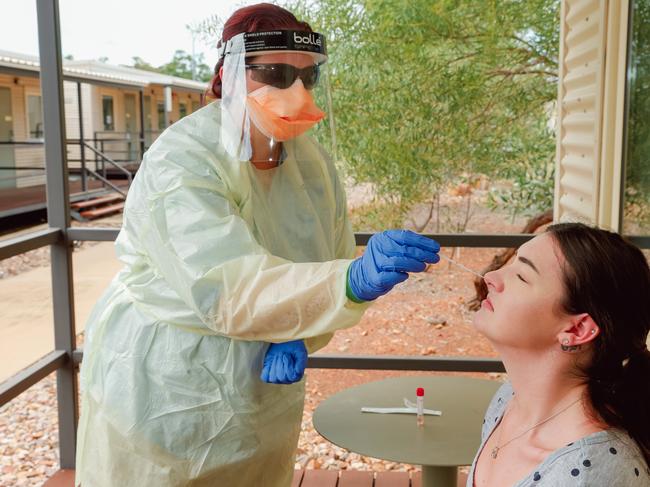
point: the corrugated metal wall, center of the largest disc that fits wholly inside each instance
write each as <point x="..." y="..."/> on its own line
<point x="582" y="52"/>
<point x="593" y="46"/>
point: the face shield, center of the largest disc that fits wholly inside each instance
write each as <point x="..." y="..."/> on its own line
<point x="275" y="92"/>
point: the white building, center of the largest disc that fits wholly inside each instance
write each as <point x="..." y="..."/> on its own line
<point x="117" y="110"/>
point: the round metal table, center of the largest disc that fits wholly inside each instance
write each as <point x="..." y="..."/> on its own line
<point x="440" y="446"/>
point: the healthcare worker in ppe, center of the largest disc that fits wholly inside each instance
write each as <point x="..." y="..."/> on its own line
<point x="238" y="261"/>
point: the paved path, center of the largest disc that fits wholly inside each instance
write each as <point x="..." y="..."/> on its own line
<point x="26" y="329"/>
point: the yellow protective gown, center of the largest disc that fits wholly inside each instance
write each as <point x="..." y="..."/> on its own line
<point x="220" y="258"/>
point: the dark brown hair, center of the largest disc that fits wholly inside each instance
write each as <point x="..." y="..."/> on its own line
<point x="254" y="18"/>
<point x="609" y="278"/>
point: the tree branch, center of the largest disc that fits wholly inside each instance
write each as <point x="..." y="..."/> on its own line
<point x="510" y="73"/>
<point x="532" y="50"/>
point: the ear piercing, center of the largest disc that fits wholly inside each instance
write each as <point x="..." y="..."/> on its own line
<point x="569" y="348"/>
<point x="593" y="331"/>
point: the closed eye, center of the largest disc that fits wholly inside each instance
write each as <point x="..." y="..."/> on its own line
<point x="522" y="279"/>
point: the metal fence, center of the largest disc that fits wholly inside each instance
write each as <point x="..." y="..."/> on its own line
<point x="93" y="162"/>
<point x="60" y="237"/>
<point x="124" y="147"/>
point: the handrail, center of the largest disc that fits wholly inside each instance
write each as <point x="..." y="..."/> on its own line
<point x="17" y="177"/>
<point x="106" y="181"/>
<point x="110" y="161"/>
<point x="25" y="243"/>
<point x="18" y="383"/>
<point x="22" y="142"/>
<point x="29" y="376"/>
<point x="22" y="168"/>
<point x="389" y="362"/>
<point x="103" y="156"/>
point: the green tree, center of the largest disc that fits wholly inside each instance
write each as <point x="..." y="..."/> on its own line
<point x="637" y="211"/>
<point x="181" y="66"/>
<point x="140" y="63"/>
<point x="428" y="89"/>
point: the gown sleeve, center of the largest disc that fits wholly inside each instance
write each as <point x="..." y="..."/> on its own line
<point x="192" y="235"/>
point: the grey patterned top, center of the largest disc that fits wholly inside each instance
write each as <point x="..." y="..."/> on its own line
<point x="607" y="458"/>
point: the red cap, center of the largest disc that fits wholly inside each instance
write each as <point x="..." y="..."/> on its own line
<point x="420" y="392"/>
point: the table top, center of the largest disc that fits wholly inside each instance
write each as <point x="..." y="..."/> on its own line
<point x="448" y="440"/>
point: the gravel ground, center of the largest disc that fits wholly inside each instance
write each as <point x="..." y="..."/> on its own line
<point x="424" y="316"/>
<point x="29" y="436"/>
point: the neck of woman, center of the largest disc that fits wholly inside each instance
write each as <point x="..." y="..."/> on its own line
<point x="265" y="153"/>
<point x="543" y="384"/>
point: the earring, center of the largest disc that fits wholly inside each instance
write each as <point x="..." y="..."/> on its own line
<point x="569" y="348"/>
<point x="593" y="331"/>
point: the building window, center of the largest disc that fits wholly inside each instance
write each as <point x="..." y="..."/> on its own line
<point x="35" y="116"/>
<point x="636" y="207"/>
<point x="161" y="116"/>
<point x="182" y="109"/>
<point x="107" y="113"/>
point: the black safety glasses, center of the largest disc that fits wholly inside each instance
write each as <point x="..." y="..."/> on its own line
<point x="284" y="75"/>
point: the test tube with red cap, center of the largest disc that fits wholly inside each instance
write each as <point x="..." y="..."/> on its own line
<point x="420" y="405"/>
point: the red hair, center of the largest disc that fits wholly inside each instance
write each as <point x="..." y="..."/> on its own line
<point x="254" y="18"/>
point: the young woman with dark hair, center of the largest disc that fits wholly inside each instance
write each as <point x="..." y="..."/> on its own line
<point x="570" y="317"/>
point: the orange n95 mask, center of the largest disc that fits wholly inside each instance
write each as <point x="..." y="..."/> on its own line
<point x="283" y="114"/>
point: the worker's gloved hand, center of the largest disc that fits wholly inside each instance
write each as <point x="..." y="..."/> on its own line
<point x="386" y="261"/>
<point x="284" y="363"/>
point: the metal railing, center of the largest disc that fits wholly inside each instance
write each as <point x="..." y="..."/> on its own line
<point x="100" y="173"/>
<point x="8" y="172"/>
<point x="60" y="357"/>
<point x="124" y="147"/>
<point x="63" y="237"/>
<point x="103" y="178"/>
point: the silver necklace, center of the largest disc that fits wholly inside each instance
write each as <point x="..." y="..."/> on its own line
<point x="495" y="450"/>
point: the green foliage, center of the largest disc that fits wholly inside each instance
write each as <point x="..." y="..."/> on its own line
<point x="140" y="63"/>
<point x="637" y="209"/>
<point x="377" y="216"/>
<point x="427" y="89"/>
<point x="530" y="190"/>
<point x="180" y="65"/>
<point x="526" y="187"/>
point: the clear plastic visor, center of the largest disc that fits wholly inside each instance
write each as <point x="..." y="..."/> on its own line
<point x="275" y="104"/>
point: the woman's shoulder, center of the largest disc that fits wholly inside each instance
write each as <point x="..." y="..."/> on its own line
<point x="496" y="408"/>
<point x="498" y="403"/>
<point x="606" y="458"/>
<point x="201" y="126"/>
<point x="190" y="146"/>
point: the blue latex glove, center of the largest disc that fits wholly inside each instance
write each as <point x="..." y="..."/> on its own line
<point x="284" y="363"/>
<point x="386" y="261"/>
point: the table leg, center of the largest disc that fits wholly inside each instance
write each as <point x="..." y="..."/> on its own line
<point x="439" y="476"/>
